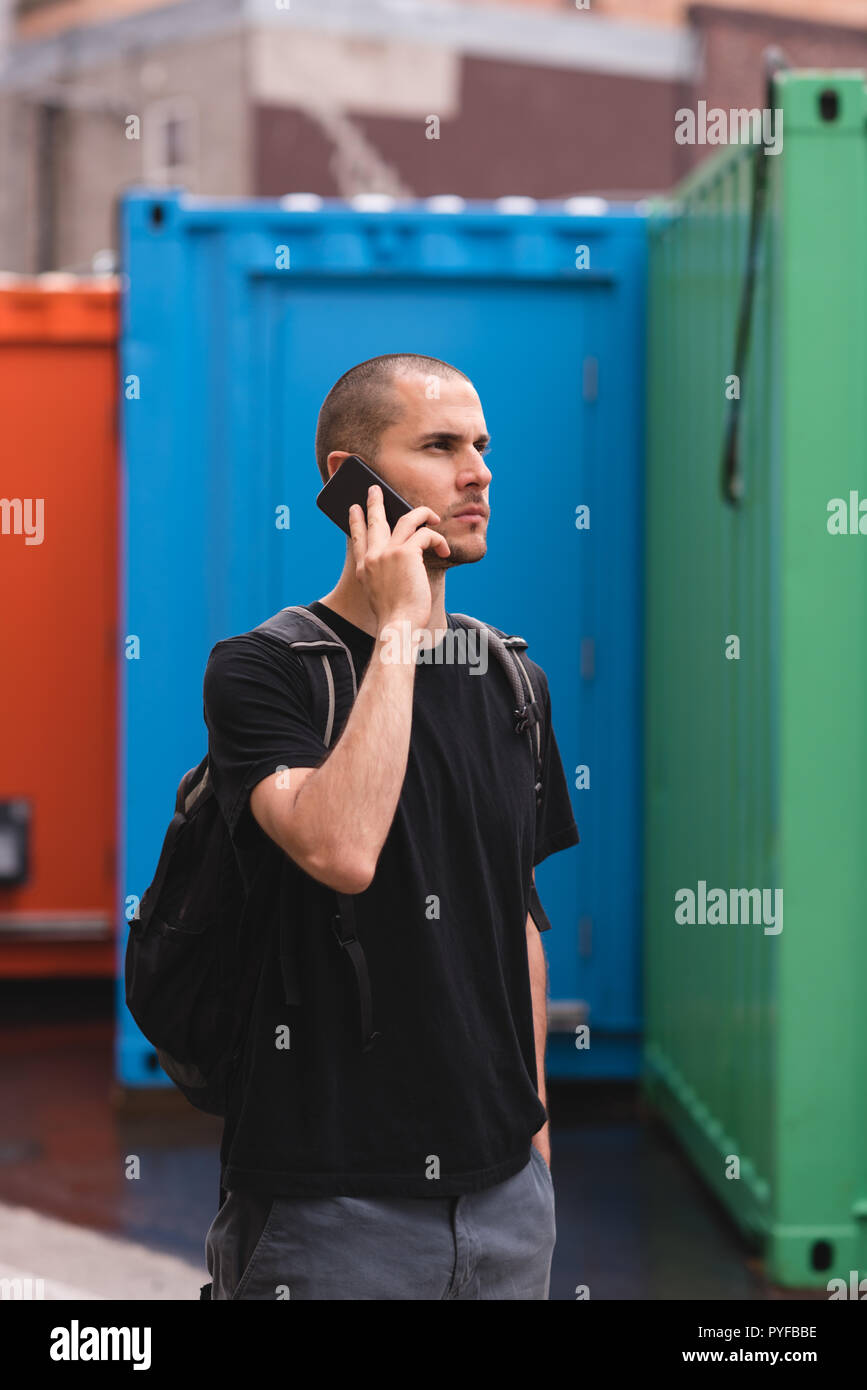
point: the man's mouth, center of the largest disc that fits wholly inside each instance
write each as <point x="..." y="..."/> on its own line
<point x="477" y="513"/>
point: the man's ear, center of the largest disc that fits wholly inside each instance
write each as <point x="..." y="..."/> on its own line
<point x="334" y="460"/>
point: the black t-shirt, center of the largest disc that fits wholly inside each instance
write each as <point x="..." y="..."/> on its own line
<point x="449" y="1087"/>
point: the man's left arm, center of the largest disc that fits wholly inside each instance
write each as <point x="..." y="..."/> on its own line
<point x="539" y="991"/>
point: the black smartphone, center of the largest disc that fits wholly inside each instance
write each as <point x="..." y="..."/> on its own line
<point x="349" y="484"/>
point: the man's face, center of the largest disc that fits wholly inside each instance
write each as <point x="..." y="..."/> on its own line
<point x="432" y="456"/>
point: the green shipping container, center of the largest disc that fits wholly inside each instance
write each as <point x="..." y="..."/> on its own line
<point x="756" y="662"/>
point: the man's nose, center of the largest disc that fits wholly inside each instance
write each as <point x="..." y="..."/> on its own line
<point x="478" y="470"/>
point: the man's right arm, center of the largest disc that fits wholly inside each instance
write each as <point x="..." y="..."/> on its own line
<point x="333" y="820"/>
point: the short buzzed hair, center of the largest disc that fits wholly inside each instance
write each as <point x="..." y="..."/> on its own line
<point x="361" y="404"/>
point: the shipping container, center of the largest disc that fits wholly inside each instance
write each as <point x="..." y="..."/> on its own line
<point x="237" y="319"/>
<point x="58" y="578"/>
<point x="756" y="678"/>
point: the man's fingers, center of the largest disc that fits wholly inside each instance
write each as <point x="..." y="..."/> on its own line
<point x="426" y="539"/>
<point x="377" y="526"/>
<point x="407" y="524"/>
<point x="358" y="532"/>
<point x="372" y="539"/>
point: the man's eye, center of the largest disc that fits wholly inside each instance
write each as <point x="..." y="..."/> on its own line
<point x="446" y="444"/>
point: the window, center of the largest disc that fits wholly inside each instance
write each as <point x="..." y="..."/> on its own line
<point x="169" y="131"/>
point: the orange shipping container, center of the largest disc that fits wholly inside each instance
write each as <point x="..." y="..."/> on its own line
<point x="58" y="617"/>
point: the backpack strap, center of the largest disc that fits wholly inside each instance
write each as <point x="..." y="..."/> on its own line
<point x="333" y="699"/>
<point x="193" y="785"/>
<point x="344" y="927"/>
<point x="527" y="711"/>
<point x="310" y="636"/>
<point x="527" y="715"/>
<point x="537" y="911"/>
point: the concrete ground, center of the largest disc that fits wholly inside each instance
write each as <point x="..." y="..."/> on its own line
<point x="633" y="1221"/>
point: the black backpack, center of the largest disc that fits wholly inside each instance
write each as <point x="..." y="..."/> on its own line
<point x="189" y="984"/>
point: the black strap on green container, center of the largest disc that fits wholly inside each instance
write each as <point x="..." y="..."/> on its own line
<point x="732" y="480"/>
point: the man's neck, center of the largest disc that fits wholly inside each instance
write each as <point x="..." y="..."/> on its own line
<point x="349" y="600"/>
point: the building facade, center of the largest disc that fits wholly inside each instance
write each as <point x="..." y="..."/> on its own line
<point x="411" y="98"/>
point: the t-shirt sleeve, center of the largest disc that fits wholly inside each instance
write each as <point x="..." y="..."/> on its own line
<point x="555" y="820"/>
<point x="258" y="711"/>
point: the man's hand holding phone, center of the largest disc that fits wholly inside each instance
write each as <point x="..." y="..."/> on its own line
<point x="390" y="564"/>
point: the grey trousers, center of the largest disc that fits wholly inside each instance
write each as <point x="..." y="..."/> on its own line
<point x="492" y="1244"/>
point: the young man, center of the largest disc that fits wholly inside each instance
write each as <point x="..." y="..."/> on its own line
<point x="416" y="1169"/>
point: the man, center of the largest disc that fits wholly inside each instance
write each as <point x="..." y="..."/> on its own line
<point x="417" y="1169"/>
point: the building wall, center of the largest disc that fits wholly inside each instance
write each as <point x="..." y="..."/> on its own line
<point x="516" y="128"/>
<point x="37" y="19"/>
<point x="42" y="17"/>
<point x="281" y="105"/>
<point x="93" y="160"/>
<point x="18" y="166"/>
<point x="850" y="12"/>
<point x="733" y="47"/>
<point x="519" y="127"/>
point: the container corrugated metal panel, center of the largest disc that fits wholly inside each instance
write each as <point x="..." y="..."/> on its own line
<point x="227" y="356"/>
<point x="756" y="1040"/>
<point x="58" y="615"/>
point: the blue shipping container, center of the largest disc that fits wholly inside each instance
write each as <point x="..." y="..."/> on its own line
<point x="237" y="319"/>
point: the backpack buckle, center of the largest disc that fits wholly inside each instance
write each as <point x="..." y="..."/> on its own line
<point x="526" y="717"/>
<point x="342" y="938"/>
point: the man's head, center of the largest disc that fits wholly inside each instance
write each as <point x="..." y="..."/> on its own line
<point x="418" y="423"/>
